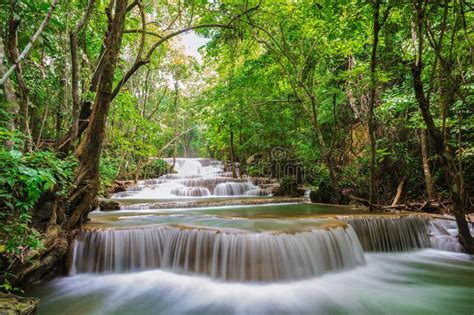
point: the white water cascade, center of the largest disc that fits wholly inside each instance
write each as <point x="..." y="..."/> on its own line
<point x="227" y="255"/>
<point x="390" y="234"/>
<point x="193" y="178"/>
<point x="443" y="235"/>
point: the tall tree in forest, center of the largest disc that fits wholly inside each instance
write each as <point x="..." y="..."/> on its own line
<point x="75" y="80"/>
<point x="452" y="174"/>
<point x="378" y="22"/>
<point x="87" y="181"/>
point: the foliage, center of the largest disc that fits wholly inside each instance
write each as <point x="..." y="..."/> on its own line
<point x="25" y="178"/>
<point x="156" y="168"/>
<point x="108" y="168"/>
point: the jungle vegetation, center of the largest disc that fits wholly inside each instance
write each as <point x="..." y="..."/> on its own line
<point x="373" y="99"/>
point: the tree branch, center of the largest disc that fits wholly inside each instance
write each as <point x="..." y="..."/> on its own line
<point x="146" y="60"/>
<point x="30" y="44"/>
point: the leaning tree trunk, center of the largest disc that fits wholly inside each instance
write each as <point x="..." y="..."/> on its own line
<point x="451" y="173"/>
<point x="87" y="179"/>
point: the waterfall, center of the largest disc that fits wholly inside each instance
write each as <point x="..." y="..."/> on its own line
<point x="444" y="235"/>
<point x="194" y="178"/>
<point x="388" y="234"/>
<point x="191" y="192"/>
<point x="222" y="254"/>
<point x="258" y="192"/>
<point x="233" y="189"/>
<point x="207" y="182"/>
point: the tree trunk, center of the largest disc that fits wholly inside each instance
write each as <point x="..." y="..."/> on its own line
<point x="7" y="95"/>
<point x="42" y="124"/>
<point x="326" y="155"/>
<point x="451" y="174"/>
<point x="14" y="55"/>
<point x="76" y="97"/>
<point x="232" y="153"/>
<point x="370" y="118"/>
<point x="175" y="148"/>
<point x="87" y="179"/>
<point x="399" y="192"/>
<point x="425" y="157"/>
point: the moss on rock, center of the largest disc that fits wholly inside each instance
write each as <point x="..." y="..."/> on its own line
<point x="16" y="305"/>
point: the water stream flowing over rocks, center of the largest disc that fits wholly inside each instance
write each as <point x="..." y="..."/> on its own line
<point x="194" y="178"/>
<point x="201" y="242"/>
<point x="220" y="254"/>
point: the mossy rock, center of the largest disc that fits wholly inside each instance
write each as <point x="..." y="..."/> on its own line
<point x="16" y="305"/>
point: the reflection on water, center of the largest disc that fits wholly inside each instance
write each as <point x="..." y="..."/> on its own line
<point x="424" y="282"/>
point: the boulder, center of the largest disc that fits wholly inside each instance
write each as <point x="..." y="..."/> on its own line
<point x="120" y="186"/>
<point x="108" y="205"/>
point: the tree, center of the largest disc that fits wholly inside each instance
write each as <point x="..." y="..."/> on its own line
<point x="451" y="172"/>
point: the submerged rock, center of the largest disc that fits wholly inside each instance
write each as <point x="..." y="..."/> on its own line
<point x="16" y="305"/>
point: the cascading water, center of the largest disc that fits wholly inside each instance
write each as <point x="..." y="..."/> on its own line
<point x="443" y="235"/>
<point x="193" y="178"/>
<point x="191" y="192"/>
<point x="233" y="189"/>
<point x="389" y="234"/>
<point x="225" y="255"/>
<point x="152" y="258"/>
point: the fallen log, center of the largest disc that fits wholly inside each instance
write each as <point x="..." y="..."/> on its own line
<point x="426" y="206"/>
<point x="399" y="192"/>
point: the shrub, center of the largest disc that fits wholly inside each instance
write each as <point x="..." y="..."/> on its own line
<point x="24" y="179"/>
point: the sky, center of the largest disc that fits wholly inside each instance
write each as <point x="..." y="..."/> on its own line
<point x="192" y="42"/>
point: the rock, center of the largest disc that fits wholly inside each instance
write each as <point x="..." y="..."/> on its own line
<point x="120" y="186"/>
<point x="16" y="305"/>
<point x="108" y="205"/>
<point x="44" y="208"/>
